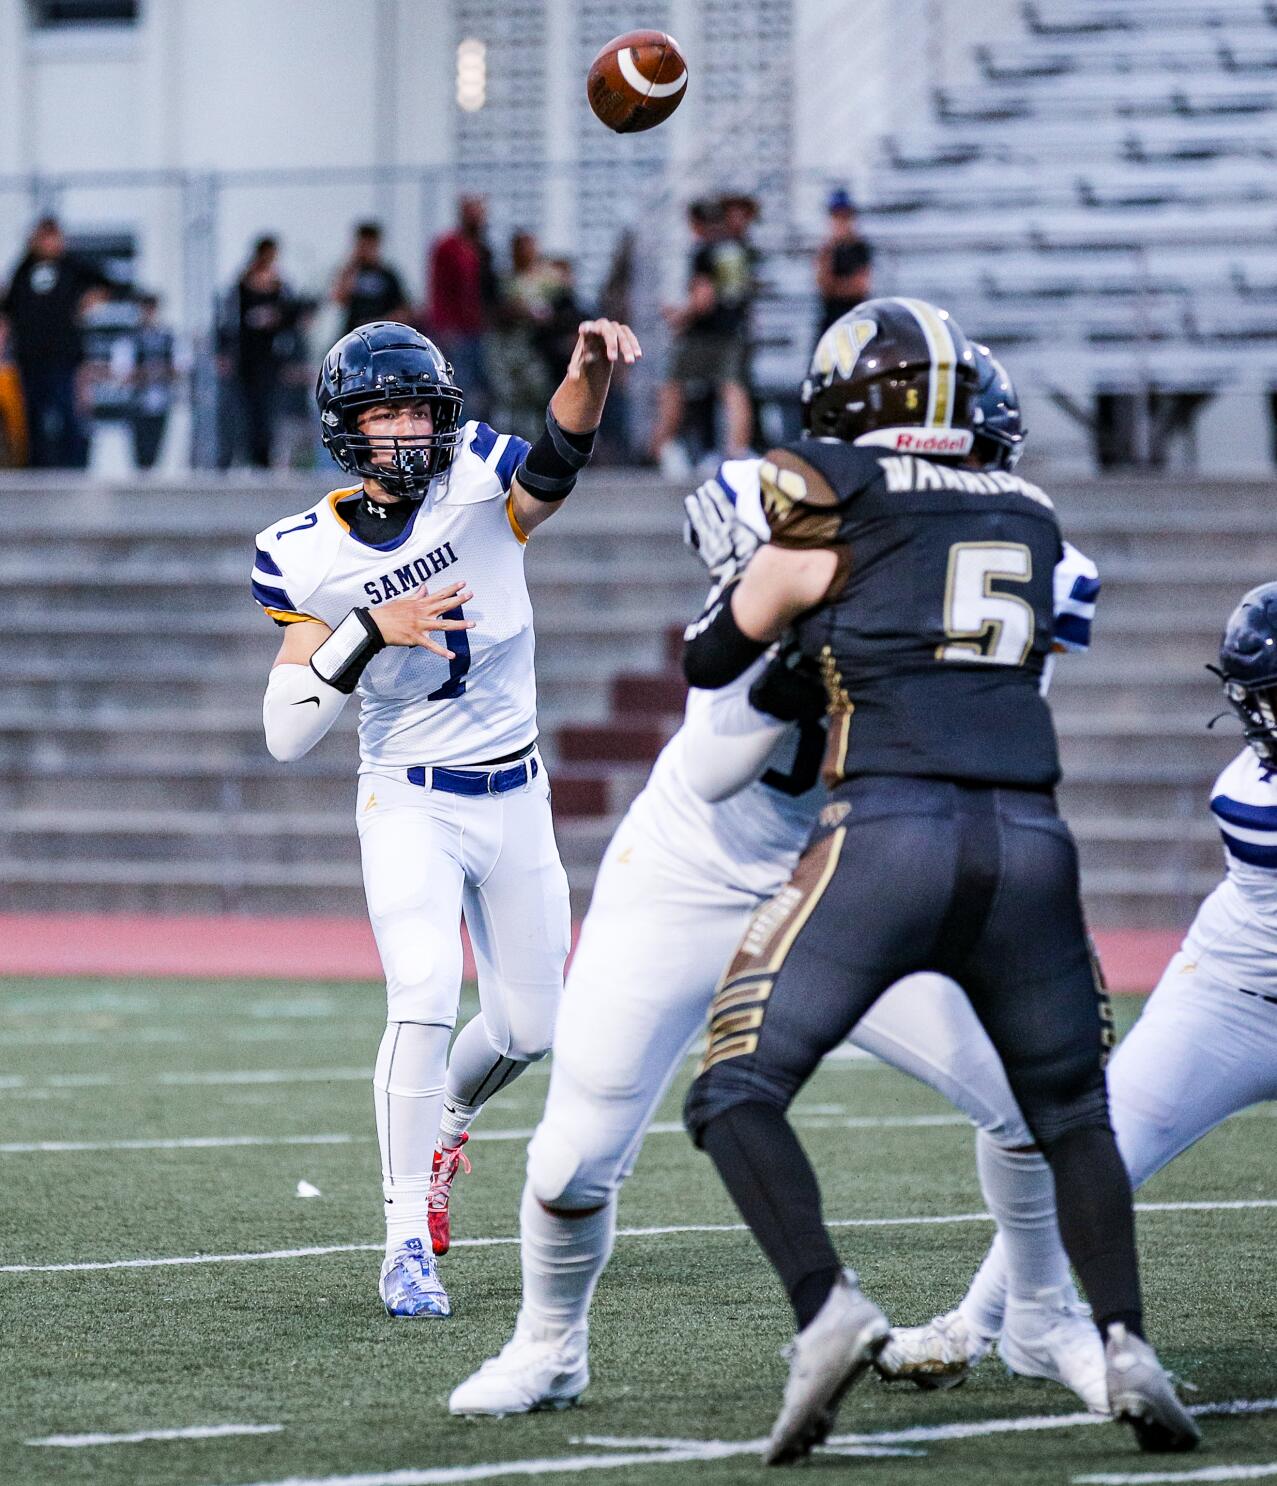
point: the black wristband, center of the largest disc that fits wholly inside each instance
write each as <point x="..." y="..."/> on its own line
<point x="341" y="659"/>
<point x="551" y="465"/>
<point x="715" y="651"/>
<point x="789" y="689"/>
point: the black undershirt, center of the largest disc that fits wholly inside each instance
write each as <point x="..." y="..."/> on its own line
<point x="373" y="523"/>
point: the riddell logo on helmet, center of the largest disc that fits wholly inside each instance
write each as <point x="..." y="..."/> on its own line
<point x="919" y="442"/>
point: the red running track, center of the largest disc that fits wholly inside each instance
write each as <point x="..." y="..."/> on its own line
<point x="242" y="947"/>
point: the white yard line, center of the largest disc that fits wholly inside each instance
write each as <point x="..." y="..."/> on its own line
<point x="1207" y="1473"/>
<point x="804" y="1121"/>
<point x="665" y="1231"/>
<point x="653" y="1451"/>
<point x="197" y="1432"/>
<point x="218" y="1142"/>
<point x="185" y="1143"/>
<point x="14" y="1082"/>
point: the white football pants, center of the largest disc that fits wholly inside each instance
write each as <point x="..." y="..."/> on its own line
<point x="1202" y="1050"/>
<point x="429" y="856"/>
<point x="652" y="949"/>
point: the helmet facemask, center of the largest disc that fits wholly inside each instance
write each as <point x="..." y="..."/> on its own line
<point x="405" y="466"/>
<point x="1257" y="708"/>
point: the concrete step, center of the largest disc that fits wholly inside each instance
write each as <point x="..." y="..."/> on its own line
<point x="226" y="840"/>
<point x="318" y="785"/>
<point x="1112" y="899"/>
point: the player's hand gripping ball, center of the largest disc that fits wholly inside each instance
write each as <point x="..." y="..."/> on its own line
<point x="637" y="81"/>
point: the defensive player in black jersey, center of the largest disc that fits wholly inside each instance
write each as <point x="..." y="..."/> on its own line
<point x="923" y="592"/>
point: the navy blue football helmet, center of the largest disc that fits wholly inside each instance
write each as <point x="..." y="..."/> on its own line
<point x="999" y="430"/>
<point x="1248" y="668"/>
<point x="386" y="363"/>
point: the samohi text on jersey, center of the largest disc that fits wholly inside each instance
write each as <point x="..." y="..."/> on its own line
<point x="411" y="575"/>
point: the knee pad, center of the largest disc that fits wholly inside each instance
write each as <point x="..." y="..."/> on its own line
<point x="719" y="1089"/>
<point x="561" y="1176"/>
<point x="527" y="1052"/>
<point x="422" y="986"/>
<point x="1072" y="1100"/>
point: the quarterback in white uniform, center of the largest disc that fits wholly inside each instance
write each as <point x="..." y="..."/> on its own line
<point x="409" y="587"/>
<point x="1206" y="1043"/>
<point x="687" y="867"/>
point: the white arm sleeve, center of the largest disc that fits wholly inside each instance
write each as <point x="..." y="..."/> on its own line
<point x="297" y="711"/>
<point x="726" y="742"/>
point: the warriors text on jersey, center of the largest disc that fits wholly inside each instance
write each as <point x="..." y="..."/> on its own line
<point x="416" y="707"/>
<point x="939" y="617"/>
<point x="1236" y="927"/>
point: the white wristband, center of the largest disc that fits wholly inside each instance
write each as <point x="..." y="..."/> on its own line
<point x="341" y="659"/>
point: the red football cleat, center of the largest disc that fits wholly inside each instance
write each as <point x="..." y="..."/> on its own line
<point x="442" y="1174"/>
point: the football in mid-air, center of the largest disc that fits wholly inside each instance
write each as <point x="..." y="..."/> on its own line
<point x="637" y="81"/>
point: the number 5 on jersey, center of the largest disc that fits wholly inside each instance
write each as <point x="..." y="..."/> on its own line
<point x="983" y="626"/>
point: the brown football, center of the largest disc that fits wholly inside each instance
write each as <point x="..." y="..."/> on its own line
<point x="637" y="81"/>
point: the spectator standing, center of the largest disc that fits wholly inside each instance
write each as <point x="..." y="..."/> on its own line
<point x="265" y="321"/>
<point x="845" y="261"/>
<point x="710" y="350"/>
<point x="462" y="294"/>
<point x="13" y="413"/>
<point x="740" y="212"/>
<point x="154" y="375"/>
<point x="367" y="288"/>
<point x="44" y="307"/>
<point x="616" y="303"/>
<point x="526" y="376"/>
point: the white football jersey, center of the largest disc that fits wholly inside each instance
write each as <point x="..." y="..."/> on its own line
<point x="416" y="707"/>
<point x="751" y="840"/>
<point x="1236" y="926"/>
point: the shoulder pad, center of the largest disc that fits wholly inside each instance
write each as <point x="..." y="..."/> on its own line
<point x="1076" y="588"/>
<point x="292" y="556"/>
<point x="738" y="479"/>
<point x="485" y="464"/>
<point x="802" y="506"/>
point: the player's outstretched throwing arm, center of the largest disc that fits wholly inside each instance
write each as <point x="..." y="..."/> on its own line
<point x="318" y="668"/>
<point x="549" y="470"/>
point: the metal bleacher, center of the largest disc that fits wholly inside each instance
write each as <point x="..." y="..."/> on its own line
<point x="1101" y="201"/>
<point x="133" y="774"/>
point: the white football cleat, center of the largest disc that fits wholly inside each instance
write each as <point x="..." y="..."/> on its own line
<point x="1141" y="1395"/>
<point x="410" y="1283"/>
<point x="527" y="1375"/>
<point x="1054" y="1337"/>
<point x="938" y="1355"/>
<point x="825" y="1359"/>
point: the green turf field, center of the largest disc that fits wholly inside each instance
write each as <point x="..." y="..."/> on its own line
<point x="687" y="1325"/>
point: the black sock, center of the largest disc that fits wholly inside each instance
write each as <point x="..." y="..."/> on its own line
<point x="1097" y="1222"/>
<point x="771" y="1182"/>
<point x="1132" y="1320"/>
<point x="810" y="1293"/>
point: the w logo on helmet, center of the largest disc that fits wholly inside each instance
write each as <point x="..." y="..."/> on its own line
<point x="841" y="345"/>
<point x="889" y="365"/>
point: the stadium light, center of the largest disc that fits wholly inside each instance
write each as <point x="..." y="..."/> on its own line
<point x="472" y="75"/>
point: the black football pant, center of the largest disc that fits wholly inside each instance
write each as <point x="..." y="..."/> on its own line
<point x="904" y="875"/>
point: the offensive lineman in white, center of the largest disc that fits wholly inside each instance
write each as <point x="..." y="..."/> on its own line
<point x="1206" y="1043"/>
<point x="688" y="865"/>
<point x="453" y="805"/>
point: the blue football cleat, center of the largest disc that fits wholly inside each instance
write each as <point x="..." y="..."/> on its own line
<point x="410" y="1283"/>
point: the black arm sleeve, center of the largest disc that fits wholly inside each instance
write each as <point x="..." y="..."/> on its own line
<point x="714" y="649"/>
